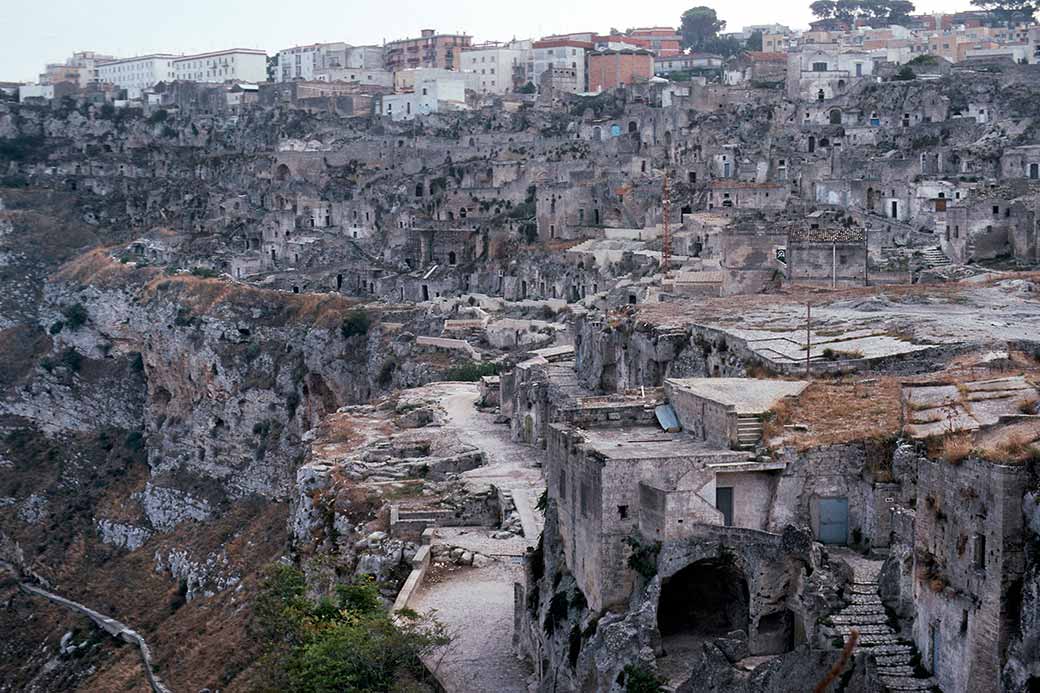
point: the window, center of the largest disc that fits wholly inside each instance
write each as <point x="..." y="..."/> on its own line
<point x="622" y="511"/>
<point x="978" y="552"/>
<point x="996" y="210"/>
<point x="819" y="67"/>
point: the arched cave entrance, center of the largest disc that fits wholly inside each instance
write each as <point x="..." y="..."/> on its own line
<point x="281" y="173"/>
<point x="703" y="600"/>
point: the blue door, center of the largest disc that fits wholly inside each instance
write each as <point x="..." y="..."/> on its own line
<point x="834" y="520"/>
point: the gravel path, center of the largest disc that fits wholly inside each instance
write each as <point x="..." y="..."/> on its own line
<point x="476" y="604"/>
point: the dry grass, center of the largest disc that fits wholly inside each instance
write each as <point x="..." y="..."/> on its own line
<point x="1015" y="449"/>
<point x="203" y="295"/>
<point x="835" y="412"/>
<point x="98" y="268"/>
<point x="955" y="449"/>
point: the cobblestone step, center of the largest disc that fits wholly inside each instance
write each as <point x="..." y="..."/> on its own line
<point x="891" y="650"/>
<point x="868" y="639"/>
<point x="896" y="670"/>
<point x="863" y="610"/>
<point x="870" y="599"/>
<point x="864" y="589"/>
<point x="906" y="683"/>
<point x="893" y="660"/>
<point x="859" y="619"/>
<point x="882" y="629"/>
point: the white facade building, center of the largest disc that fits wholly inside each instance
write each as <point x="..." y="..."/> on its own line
<point x="562" y="53"/>
<point x="136" y="74"/>
<point x="815" y="73"/>
<point x="411" y="78"/>
<point x="35" y="91"/>
<point x="430" y="96"/>
<point x="501" y="67"/>
<point x="144" y="72"/>
<point x="310" y="62"/>
<point x="234" y="64"/>
<point x="372" y="77"/>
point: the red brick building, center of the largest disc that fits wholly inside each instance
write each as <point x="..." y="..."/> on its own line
<point x="612" y="68"/>
<point x="664" y="40"/>
<point x="429" y="50"/>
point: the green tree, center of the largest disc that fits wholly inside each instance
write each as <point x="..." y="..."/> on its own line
<point x="1008" y="11"/>
<point x="700" y="25"/>
<point x="754" y="42"/>
<point x="824" y="9"/>
<point x="356" y="323"/>
<point x="344" y="643"/>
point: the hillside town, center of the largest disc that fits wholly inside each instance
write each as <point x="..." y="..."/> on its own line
<point x="672" y="358"/>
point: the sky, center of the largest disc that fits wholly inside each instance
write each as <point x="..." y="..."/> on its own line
<point x="35" y="33"/>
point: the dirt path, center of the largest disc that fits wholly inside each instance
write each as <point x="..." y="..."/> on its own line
<point x="477" y="603"/>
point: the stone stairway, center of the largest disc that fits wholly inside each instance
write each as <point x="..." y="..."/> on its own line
<point x="866" y="614"/>
<point x="933" y="257"/>
<point x="749" y="431"/>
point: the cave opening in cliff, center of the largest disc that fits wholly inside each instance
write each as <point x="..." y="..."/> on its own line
<point x="707" y="598"/>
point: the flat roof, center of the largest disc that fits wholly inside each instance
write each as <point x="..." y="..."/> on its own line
<point x="745" y="395"/>
<point x="650" y="442"/>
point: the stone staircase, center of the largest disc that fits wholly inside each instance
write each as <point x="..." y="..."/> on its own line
<point x="749" y="431"/>
<point x="933" y="257"/>
<point x="866" y="614"/>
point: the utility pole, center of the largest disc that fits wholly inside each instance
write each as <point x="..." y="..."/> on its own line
<point x="666" y="241"/>
<point x="808" y="337"/>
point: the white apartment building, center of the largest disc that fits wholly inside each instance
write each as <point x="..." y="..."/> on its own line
<point x="562" y="53"/>
<point x="409" y="79"/>
<point x="429" y="96"/>
<point x="136" y="74"/>
<point x="238" y="64"/>
<point x="308" y="62"/>
<point x="501" y="67"/>
<point x="377" y="77"/>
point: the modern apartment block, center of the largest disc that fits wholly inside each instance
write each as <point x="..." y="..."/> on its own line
<point x="429" y="50"/>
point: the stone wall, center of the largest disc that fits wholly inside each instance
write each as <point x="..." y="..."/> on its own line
<point x="969" y="568"/>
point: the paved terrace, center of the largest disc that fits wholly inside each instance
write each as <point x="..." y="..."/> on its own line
<point x="648" y="442"/>
<point x="745" y="395"/>
<point x="869" y="323"/>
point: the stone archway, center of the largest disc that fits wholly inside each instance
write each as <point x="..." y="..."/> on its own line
<point x="706" y="599"/>
<point x="282" y="173"/>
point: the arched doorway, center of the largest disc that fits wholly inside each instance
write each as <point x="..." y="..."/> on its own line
<point x="281" y="173"/>
<point x="871" y="199"/>
<point x="1034" y="171"/>
<point x="633" y="126"/>
<point x="812" y="144"/>
<point x="835" y="116"/>
<point x="597" y="134"/>
<point x="704" y="600"/>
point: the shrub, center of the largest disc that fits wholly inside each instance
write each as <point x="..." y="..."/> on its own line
<point x="638" y="678"/>
<point x="643" y="558"/>
<point x="355" y="324"/>
<point x="159" y="116"/>
<point x="386" y="373"/>
<point x="204" y="272"/>
<point x="72" y="359"/>
<point x="905" y="74"/>
<point x="56" y="327"/>
<point x="75" y="316"/>
<point x="339" y="643"/>
<point x="471" y="372"/>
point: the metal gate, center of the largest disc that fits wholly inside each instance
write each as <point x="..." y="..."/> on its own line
<point x="834" y="520"/>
